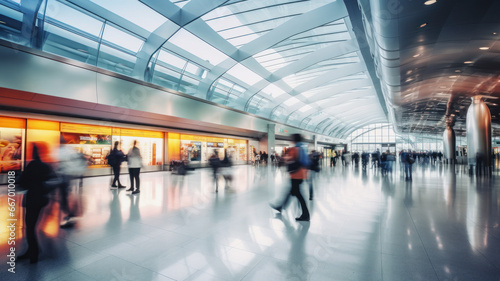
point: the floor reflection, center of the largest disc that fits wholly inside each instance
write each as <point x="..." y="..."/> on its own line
<point x="365" y="225"/>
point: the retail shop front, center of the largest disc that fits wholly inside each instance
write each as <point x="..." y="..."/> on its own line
<point x="196" y="149"/>
<point x="95" y="142"/>
<point x="12" y="145"/>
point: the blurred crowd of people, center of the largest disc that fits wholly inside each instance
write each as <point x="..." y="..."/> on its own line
<point x="51" y="177"/>
<point x="46" y="180"/>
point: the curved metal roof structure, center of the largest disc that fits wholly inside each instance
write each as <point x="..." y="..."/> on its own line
<point x="296" y="62"/>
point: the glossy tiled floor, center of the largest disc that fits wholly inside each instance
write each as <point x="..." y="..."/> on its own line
<point x="442" y="226"/>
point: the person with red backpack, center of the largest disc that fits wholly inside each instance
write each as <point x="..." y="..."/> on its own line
<point x="297" y="166"/>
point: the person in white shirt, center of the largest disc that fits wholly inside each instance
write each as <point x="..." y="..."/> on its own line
<point x="134" y="160"/>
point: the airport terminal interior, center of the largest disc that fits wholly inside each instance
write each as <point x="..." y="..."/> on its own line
<point x="249" y="140"/>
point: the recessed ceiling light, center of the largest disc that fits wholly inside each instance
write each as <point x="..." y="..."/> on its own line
<point x="453" y="76"/>
<point x="494" y="33"/>
<point x="416" y="55"/>
<point x="423" y="24"/>
<point x="458" y="71"/>
<point x="468" y="62"/>
<point x="429" y="2"/>
<point x="484" y="48"/>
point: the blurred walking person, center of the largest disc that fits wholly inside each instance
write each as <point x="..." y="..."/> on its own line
<point x="314" y="170"/>
<point x="35" y="179"/>
<point x="226" y="169"/>
<point x="72" y="165"/>
<point x="134" y="160"/>
<point x="297" y="165"/>
<point x="115" y="159"/>
<point x="214" y="162"/>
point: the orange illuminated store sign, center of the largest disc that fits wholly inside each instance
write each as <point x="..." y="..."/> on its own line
<point x="201" y="138"/>
<point x="137" y="133"/>
<point x="85" y="129"/>
<point x="43" y="125"/>
<point x="9" y="122"/>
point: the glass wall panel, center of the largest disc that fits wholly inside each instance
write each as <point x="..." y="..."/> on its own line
<point x="68" y="44"/>
<point x="12" y="25"/>
<point x="165" y="77"/>
<point x="188" y="85"/>
<point x="116" y="60"/>
<point x="169" y="59"/>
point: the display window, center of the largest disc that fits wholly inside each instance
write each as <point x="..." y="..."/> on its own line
<point x="214" y="147"/>
<point x="199" y="148"/>
<point x="46" y="132"/>
<point x="11" y="144"/>
<point x="191" y="151"/>
<point x="150" y="148"/>
<point x="94" y="147"/>
<point x="238" y="149"/>
<point x="150" y="144"/>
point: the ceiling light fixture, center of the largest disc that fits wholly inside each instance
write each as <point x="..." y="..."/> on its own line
<point x="484" y="48"/>
<point x="453" y="76"/>
<point x="416" y="55"/>
<point x="2" y="22"/>
<point x="429" y="2"/>
<point x="458" y="71"/>
<point x="423" y="24"/>
<point x="468" y="62"/>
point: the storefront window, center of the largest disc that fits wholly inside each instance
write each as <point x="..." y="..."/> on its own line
<point x="95" y="147"/>
<point x="11" y="149"/>
<point x="150" y="144"/>
<point x="191" y="150"/>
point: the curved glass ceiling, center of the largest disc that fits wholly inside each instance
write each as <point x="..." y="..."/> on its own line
<point x="292" y="61"/>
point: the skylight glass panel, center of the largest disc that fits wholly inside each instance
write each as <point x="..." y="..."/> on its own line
<point x="74" y="18"/>
<point x="181" y="3"/>
<point x="244" y="74"/>
<point x="171" y="59"/>
<point x="193" y="69"/>
<point x="135" y="12"/>
<point x="199" y="48"/>
<point x="122" y="39"/>
<point x="273" y="91"/>
<point x="242" y="40"/>
<point x="305" y="108"/>
<point x="256" y="17"/>
<point x="291" y="101"/>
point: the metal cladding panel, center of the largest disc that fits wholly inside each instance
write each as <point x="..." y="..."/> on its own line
<point x="31" y="73"/>
<point x="478" y="132"/>
<point x="449" y="143"/>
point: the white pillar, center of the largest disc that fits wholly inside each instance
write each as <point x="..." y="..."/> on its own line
<point x="270" y="139"/>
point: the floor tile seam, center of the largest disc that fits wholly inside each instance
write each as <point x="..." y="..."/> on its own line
<point x="487" y="259"/>
<point x="422" y="242"/>
<point x="253" y="267"/>
<point x="142" y="267"/>
<point x="76" y="270"/>
<point x="80" y="267"/>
